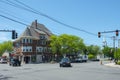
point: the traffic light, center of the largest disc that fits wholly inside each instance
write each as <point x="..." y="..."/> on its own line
<point x="117" y="32"/>
<point x="13" y="34"/>
<point x="16" y="35"/>
<point x="99" y="34"/>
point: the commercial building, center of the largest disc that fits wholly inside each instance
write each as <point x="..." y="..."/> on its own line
<point x="33" y="45"/>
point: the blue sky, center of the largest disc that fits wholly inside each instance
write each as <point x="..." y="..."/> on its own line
<point x="91" y="15"/>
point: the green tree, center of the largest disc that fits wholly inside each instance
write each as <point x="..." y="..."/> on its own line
<point x="91" y="56"/>
<point x="93" y="50"/>
<point x="107" y="51"/>
<point x="7" y="45"/>
<point x="66" y="44"/>
<point x="55" y="44"/>
<point x="117" y="54"/>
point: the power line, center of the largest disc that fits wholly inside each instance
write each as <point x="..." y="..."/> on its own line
<point x="18" y="22"/>
<point x="13" y="16"/>
<point x="55" y="19"/>
<point x="13" y="20"/>
<point x="30" y="9"/>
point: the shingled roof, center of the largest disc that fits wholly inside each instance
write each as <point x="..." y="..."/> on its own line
<point x="34" y="30"/>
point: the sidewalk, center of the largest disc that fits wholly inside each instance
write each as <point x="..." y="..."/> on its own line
<point x="112" y="65"/>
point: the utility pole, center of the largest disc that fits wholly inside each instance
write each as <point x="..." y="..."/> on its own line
<point x="104" y="42"/>
<point x="114" y="41"/>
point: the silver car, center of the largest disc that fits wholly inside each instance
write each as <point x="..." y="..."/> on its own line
<point x="3" y="60"/>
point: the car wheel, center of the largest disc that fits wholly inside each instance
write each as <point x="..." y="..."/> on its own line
<point x="60" y="65"/>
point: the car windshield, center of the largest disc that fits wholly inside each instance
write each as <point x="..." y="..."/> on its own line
<point x="5" y="59"/>
<point x="65" y="60"/>
<point x="2" y="59"/>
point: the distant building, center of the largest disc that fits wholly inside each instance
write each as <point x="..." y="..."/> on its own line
<point x="33" y="44"/>
<point x="5" y="54"/>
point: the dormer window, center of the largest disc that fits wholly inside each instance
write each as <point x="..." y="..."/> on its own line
<point x="42" y="36"/>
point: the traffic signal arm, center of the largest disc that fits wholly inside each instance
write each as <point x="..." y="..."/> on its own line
<point x="116" y="32"/>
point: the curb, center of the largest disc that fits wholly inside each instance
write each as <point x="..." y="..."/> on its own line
<point x="112" y="65"/>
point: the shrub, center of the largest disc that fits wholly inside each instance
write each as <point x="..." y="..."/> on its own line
<point x="118" y="62"/>
<point x="91" y="56"/>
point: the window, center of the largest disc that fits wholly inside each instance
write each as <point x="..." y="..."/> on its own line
<point x="42" y="37"/>
<point x="23" y="40"/>
<point x="30" y="40"/>
<point x="30" y="50"/>
<point x="43" y="42"/>
<point x="23" y="50"/>
<point x="27" y="40"/>
<point x="27" y="49"/>
<point x="39" y="49"/>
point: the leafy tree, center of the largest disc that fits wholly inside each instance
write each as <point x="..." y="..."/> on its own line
<point x="55" y="44"/>
<point x="91" y="56"/>
<point x="107" y="51"/>
<point x="66" y="44"/>
<point x="117" y="54"/>
<point x="93" y="50"/>
<point x="7" y="45"/>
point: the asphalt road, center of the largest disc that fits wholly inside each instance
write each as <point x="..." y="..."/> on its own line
<point x="47" y="71"/>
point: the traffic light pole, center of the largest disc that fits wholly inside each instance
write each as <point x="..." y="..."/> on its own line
<point x="114" y="41"/>
<point x="14" y="34"/>
<point x="116" y="31"/>
<point x="5" y="30"/>
<point x="114" y="38"/>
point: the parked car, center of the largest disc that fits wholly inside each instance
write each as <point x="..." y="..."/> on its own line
<point x="14" y="62"/>
<point x="65" y="62"/>
<point x="3" y="60"/>
<point x="95" y="59"/>
<point x="84" y="58"/>
<point x="78" y="60"/>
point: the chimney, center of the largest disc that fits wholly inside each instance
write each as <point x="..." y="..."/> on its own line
<point x="36" y="24"/>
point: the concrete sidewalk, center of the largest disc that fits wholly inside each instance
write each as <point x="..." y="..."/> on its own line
<point x="112" y="65"/>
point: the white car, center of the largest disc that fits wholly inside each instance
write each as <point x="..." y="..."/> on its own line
<point x="3" y="60"/>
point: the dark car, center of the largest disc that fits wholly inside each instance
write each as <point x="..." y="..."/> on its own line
<point x="14" y="62"/>
<point x="65" y="62"/>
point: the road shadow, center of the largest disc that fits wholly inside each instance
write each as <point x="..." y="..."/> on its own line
<point x="2" y="77"/>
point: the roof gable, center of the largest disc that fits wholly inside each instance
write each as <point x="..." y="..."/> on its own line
<point x="34" y="30"/>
